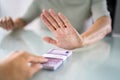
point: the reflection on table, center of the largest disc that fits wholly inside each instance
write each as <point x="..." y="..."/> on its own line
<point x="99" y="61"/>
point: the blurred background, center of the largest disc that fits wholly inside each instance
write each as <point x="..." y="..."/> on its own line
<point x="9" y="8"/>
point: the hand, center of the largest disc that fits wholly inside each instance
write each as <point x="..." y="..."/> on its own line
<point x="7" y="23"/>
<point x="20" y="66"/>
<point x="66" y="36"/>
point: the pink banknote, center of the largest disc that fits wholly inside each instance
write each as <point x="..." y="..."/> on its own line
<point x="55" y="58"/>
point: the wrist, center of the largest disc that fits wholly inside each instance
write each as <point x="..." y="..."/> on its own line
<point x="80" y="43"/>
<point x="19" y="24"/>
<point x="82" y="40"/>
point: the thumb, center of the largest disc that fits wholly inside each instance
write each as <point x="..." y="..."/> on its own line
<point x="50" y="40"/>
<point x="36" y="63"/>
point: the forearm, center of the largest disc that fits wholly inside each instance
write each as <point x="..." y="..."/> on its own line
<point x="97" y="31"/>
<point x="19" y="23"/>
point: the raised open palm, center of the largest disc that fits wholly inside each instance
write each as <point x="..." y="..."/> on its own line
<point x="66" y="36"/>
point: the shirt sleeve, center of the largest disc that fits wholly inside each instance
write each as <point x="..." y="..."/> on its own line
<point x="99" y="9"/>
<point x="31" y="12"/>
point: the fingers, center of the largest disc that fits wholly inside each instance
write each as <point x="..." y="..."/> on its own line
<point x="37" y="59"/>
<point x="10" y="23"/>
<point x="3" y="22"/>
<point x="56" y="18"/>
<point x="36" y="63"/>
<point x="25" y="64"/>
<point x="50" y="40"/>
<point x="65" y="20"/>
<point x="47" y="23"/>
<point x="54" y="21"/>
<point x="50" y="19"/>
<point x="29" y="57"/>
<point x="7" y="23"/>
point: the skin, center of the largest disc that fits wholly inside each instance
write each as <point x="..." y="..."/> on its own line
<point x="9" y="24"/>
<point x="15" y="66"/>
<point x="66" y="35"/>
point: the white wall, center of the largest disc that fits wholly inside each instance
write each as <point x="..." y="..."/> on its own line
<point x="13" y="8"/>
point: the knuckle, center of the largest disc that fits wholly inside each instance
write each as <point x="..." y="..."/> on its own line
<point x="49" y="17"/>
<point x="54" y="24"/>
<point x="54" y="15"/>
<point x="22" y="53"/>
<point x="9" y="19"/>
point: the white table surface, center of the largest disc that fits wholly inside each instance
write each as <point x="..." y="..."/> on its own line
<point x="100" y="61"/>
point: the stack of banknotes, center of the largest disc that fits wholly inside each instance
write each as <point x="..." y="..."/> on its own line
<point x="55" y="58"/>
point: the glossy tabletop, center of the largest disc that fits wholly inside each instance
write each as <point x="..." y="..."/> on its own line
<point x="99" y="61"/>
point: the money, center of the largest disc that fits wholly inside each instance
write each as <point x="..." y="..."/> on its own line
<point x="55" y="58"/>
